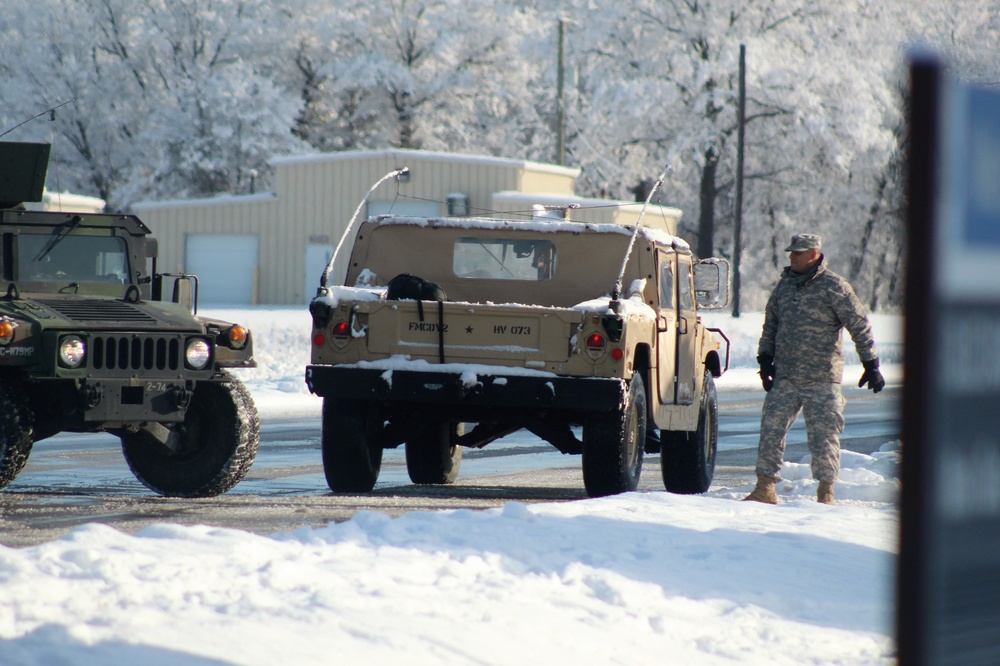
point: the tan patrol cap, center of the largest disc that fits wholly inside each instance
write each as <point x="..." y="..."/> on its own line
<point x="801" y="242"/>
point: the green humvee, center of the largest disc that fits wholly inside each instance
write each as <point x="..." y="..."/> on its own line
<point x="89" y="343"/>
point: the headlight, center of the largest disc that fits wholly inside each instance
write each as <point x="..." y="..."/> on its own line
<point x="72" y="351"/>
<point x="197" y="354"/>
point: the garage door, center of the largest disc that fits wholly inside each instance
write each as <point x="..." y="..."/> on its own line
<point x="226" y="266"/>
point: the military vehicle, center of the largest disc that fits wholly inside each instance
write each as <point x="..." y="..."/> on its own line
<point x="454" y="332"/>
<point x="89" y="343"/>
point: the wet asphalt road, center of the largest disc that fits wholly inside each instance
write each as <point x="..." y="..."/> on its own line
<point x="72" y="479"/>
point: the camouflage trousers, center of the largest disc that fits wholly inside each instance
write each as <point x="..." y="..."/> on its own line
<point x="823" y="408"/>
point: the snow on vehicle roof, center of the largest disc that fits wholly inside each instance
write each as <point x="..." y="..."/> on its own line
<point x="543" y="226"/>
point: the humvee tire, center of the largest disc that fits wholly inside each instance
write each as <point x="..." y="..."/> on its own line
<point x="431" y="457"/>
<point x="219" y="438"/>
<point x="351" y="458"/>
<point x="613" y="445"/>
<point x="15" y="432"/>
<point x="687" y="459"/>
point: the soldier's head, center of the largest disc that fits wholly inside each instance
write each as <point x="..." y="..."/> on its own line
<point x="804" y="252"/>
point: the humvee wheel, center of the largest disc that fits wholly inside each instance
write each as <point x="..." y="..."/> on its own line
<point x="15" y="433"/>
<point x="431" y="457"/>
<point x="613" y="445"/>
<point x="687" y="459"/>
<point x="218" y="442"/>
<point x="352" y="457"/>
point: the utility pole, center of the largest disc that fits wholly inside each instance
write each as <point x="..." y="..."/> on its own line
<point x="560" y="105"/>
<point x="738" y="223"/>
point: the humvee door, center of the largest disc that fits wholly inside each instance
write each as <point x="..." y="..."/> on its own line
<point x="675" y="325"/>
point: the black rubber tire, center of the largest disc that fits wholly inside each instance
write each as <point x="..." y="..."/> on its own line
<point x="15" y="432"/>
<point x="219" y="436"/>
<point x="613" y="444"/>
<point x="432" y="458"/>
<point x="687" y="459"/>
<point x="351" y="460"/>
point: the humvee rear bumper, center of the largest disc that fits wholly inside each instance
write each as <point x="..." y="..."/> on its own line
<point x="510" y="391"/>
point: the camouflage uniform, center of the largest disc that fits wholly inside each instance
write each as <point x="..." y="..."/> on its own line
<point x="802" y="326"/>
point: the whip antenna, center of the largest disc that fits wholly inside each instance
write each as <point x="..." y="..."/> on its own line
<point x="396" y="173"/>
<point x="50" y="111"/>
<point x="616" y="292"/>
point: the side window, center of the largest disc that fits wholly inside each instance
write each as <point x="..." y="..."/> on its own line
<point x="666" y="284"/>
<point x="685" y="287"/>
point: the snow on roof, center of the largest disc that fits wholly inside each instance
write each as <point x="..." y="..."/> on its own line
<point x="407" y="155"/>
<point x="66" y="202"/>
<point x="550" y="199"/>
<point x="540" y="225"/>
<point x="217" y="200"/>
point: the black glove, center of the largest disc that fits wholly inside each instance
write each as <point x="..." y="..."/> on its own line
<point x="766" y="362"/>
<point x="872" y="377"/>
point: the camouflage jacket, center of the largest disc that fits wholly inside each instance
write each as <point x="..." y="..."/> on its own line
<point x="802" y="324"/>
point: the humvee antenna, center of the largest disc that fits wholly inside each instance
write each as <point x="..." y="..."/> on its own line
<point x="51" y="111"/>
<point x="396" y="173"/>
<point x="616" y="293"/>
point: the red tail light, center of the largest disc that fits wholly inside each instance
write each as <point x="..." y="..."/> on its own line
<point x="341" y="329"/>
<point x="596" y="341"/>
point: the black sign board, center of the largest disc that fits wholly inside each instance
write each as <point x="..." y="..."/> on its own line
<point x="948" y="597"/>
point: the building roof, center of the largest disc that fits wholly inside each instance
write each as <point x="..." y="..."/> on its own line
<point x="402" y="154"/>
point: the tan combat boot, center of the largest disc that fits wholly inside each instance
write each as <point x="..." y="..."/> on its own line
<point x="764" y="492"/>
<point x="824" y="494"/>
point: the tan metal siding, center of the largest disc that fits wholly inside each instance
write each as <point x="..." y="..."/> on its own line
<point x="316" y="196"/>
<point x="537" y="181"/>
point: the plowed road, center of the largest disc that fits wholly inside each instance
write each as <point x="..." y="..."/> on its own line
<point x="76" y="479"/>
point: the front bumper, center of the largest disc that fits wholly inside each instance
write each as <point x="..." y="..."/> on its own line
<point x="113" y="401"/>
<point x="467" y="390"/>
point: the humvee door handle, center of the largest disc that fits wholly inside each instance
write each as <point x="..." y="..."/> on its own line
<point x="682" y="326"/>
<point x="662" y="324"/>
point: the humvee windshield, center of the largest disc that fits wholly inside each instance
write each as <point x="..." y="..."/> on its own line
<point x="504" y="259"/>
<point x="74" y="258"/>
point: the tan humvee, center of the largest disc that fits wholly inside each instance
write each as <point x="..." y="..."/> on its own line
<point x="512" y="325"/>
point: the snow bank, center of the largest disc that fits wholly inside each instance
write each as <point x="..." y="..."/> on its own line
<point x="633" y="579"/>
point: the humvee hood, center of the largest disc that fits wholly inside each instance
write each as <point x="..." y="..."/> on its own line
<point x="97" y="313"/>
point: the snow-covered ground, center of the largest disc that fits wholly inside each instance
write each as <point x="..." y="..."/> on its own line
<point x="640" y="578"/>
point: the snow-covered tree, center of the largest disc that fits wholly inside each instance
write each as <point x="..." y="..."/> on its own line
<point x="433" y="74"/>
<point x="170" y="98"/>
<point x="178" y="98"/>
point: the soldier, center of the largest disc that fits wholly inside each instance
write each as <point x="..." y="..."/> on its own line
<point x="802" y="365"/>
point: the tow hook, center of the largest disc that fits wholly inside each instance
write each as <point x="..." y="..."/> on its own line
<point x="182" y="397"/>
<point x="91" y="395"/>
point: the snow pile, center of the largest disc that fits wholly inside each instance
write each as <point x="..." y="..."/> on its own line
<point x="282" y="345"/>
<point x="631" y="579"/>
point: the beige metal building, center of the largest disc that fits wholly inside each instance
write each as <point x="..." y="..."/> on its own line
<point x="272" y="247"/>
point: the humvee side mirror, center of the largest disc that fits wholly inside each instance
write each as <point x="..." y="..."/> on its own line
<point x="185" y="290"/>
<point x="711" y="283"/>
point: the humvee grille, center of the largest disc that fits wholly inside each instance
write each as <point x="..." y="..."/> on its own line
<point x="131" y="352"/>
<point x="98" y="310"/>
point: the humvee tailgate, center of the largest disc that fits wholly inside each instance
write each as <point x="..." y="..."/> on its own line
<point x="496" y="333"/>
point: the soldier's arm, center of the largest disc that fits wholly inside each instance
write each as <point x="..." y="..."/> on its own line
<point x="766" y="344"/>
<point x="853" y="316"/>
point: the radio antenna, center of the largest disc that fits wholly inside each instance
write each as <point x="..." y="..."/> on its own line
<point x="396" y="173"/>
<point x="616" y="293"/>
<point x="50" y="111"/>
